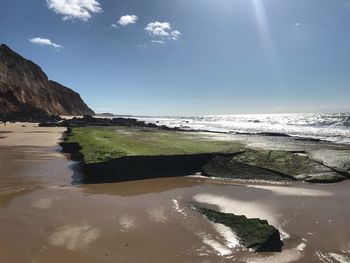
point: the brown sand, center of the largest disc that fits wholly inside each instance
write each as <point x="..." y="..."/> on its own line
<point x="44" y="218"/>
<point x="29" y="134"/>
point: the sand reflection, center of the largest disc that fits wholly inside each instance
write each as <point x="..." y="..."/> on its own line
<point x="43" y="203"/>
<point x="158" y="214"/>
<point x="74" y="237"/>
<point x="127" y="222"/>
<point x="292" y="191"/>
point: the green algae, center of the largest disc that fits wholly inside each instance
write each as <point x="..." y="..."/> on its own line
<point x="99" y="144"/>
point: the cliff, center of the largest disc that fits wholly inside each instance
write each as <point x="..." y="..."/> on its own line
<point x="26" y="91"/>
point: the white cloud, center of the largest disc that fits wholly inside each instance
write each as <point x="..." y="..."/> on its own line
<point x="158" y="41"/>
<point x="162" y="30"/>
<point x="75" y="9"/>
<point x="297" y="24"/>
<point x="175" y="34"/>
<point x="114" y="26"/>
<point x="127" y="20"/>
<point x="44" y="42"/>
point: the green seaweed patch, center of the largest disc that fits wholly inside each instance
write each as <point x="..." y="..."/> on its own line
<point x="254" y="233"/>
<point x="99" y="144"/>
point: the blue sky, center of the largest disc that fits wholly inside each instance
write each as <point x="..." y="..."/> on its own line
<point x="186" y="57"/>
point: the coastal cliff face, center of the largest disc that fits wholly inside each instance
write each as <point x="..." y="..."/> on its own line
<point x="26" y="91"/>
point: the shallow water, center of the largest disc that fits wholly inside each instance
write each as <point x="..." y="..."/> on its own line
<point x="44" y="218"/>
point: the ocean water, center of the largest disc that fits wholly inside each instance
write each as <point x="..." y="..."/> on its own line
<point x="330" y="127"/>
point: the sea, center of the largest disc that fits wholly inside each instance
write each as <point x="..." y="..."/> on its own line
<point x="334" y="127"/>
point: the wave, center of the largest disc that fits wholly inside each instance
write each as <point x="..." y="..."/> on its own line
<point x="331" y="127"/>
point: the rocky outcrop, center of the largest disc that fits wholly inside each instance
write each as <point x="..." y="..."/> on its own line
<point x="271" y="165"/>
<point x="337" y="160"/>
<point x="253" y="233"/>
<point x="132" y="168"/>
<point x="87" y="120"/>
<point x="26" y="91"/>
<point x="227" y="167"/>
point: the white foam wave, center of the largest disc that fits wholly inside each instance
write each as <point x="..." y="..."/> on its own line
<point x="332" y="127"/>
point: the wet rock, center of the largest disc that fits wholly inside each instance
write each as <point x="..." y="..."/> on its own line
<point x="227" y="167"/>
<point x="309" y="139"/>
<point x="270" y="134"/>
<point x="271" y="165"/>
<point x="253" y="233"/>
<point x="88" y="120"/>
<point x="336" y="159"/>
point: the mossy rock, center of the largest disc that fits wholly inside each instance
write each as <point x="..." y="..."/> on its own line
<point x="330" y="177"/>
<point x="298" y="166"/>
<point x="254" y="233"/>
<point x="101" y="144"/>
<point x="227" y="167"/>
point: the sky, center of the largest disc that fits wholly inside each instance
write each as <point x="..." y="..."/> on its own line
<point x="189" y="57"/>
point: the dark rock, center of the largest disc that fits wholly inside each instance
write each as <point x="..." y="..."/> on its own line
<point x="254" y="233"/>
<point x="271" y="165"/>
<point x="309" y="140"/>
<point x="272" y="134"/>
<point x="92" y="121"/>
<point x="297" y="166"/>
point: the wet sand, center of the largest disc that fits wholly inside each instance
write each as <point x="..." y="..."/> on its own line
<point x="46" y="218"/>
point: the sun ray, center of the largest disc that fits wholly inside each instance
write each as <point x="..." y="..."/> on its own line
<point x="267" y="39"/>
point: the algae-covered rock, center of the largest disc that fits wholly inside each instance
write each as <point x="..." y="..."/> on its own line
<point x="253" y="233"/>
<point x="227" y="167"/>
<point x="330" y="177"/>
<point x="273" y="165"/>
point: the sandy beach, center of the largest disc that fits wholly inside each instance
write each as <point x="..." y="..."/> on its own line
<point x="29" y="134"/>
<point x="47" y="217"/>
